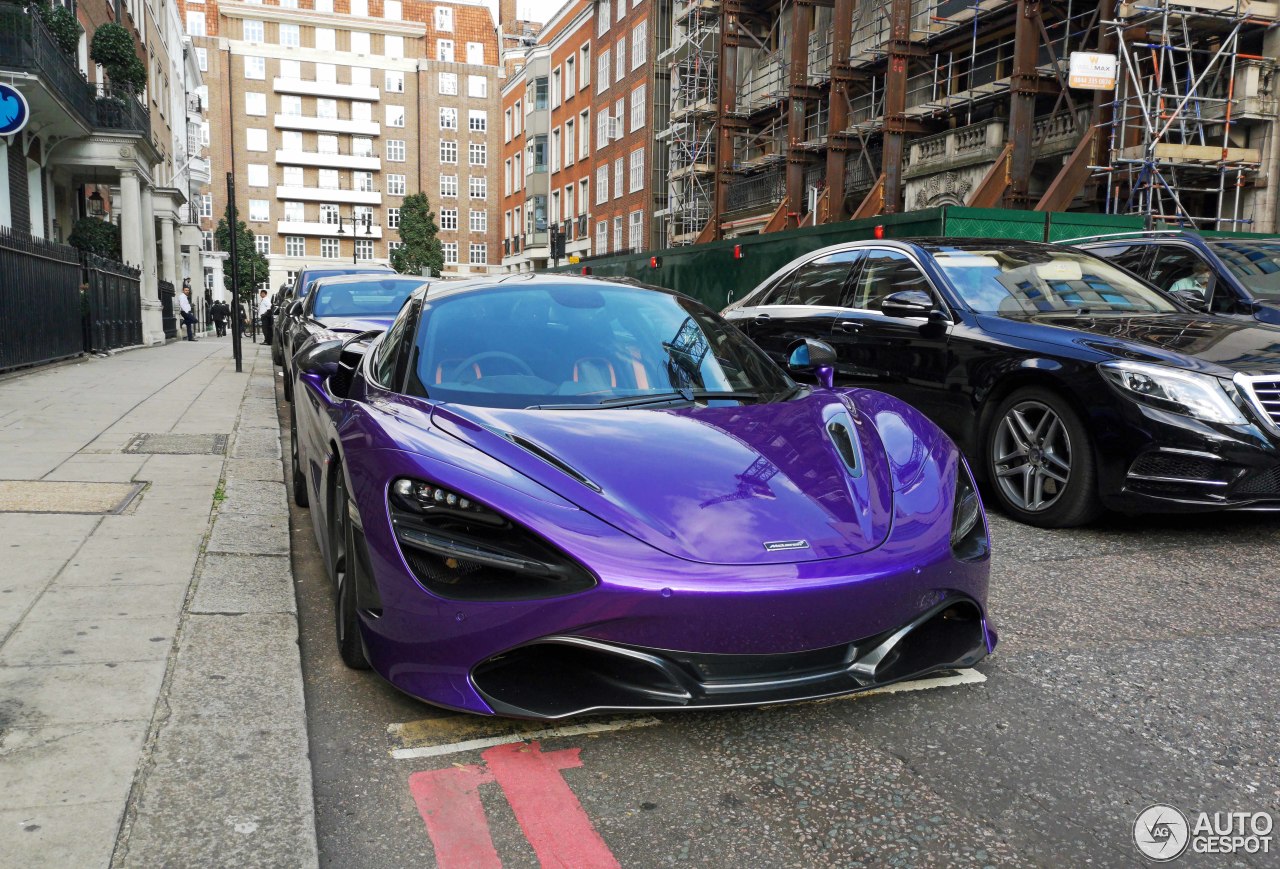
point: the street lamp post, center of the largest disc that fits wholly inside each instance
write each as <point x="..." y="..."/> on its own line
<point x="366" y="221"/>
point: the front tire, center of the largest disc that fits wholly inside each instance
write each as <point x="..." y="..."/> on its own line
<point x="344" y="568"/>
<point x="1041" y="462"/>
<point x="300" y="496"/>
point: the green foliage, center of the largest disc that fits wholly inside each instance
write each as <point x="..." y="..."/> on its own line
<point x="422" y="249"/>
<point x="96" y="236"/>
<point x="253" y="265"/>
<point x="62" y="24"/>
<point x="113" y="48"/>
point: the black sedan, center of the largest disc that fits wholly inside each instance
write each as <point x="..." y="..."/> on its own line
<point x="296" y="292"/>
<point x="1071" y="385"/>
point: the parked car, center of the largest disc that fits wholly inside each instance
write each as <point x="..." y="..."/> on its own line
<point x="1228" y="276"/>
<point x="345" y="305"/>
<point x="1070" y="384"/>
<point x="298" y="290"/>
<point x="542" y="496"/>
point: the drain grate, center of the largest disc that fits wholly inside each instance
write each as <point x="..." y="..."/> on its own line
<point x="39" y="496"/>
<point x="178" y="445"/>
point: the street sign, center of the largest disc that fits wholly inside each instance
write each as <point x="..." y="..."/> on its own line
<point x="573" y="259"/>
<point x="14" y="111"/>
<point x="1092" y="71"/>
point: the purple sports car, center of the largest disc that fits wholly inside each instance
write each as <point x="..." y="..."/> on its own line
<point x="549" y="496"/>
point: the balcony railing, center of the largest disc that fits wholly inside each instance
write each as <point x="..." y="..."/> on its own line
<point x="25" y="44"/>
<point x="118" y="109"/>
<point x="756" y="191"/>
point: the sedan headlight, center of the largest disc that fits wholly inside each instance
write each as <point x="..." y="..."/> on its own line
<point x="460" y="549"/>
<point x="968" y="532"/>
<point x="1201" y="396"/>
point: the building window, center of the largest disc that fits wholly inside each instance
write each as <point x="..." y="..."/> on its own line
<point x="448" y="119"/>
<point x="360" y="146"/>
<point x="449" y="185"/>
<point x="477" y="120"/>
<point x="602" y="237"/>
<point x="364" y="182"/>
<point x="255" y="139"/>
<point x="253" y="31"/>
<point x="515" y="129"/>
<point x="477" y="86"/>
<point x="637" y="108"/>
<point x="262" y="244"/>
<point x="444" y="50"/>
<point x="292" y="176"/>
<point x="328" y="109"/>
<point x="393" y="47"/>
<point x="395" y="185"/>
<point x="395" y="150"/>
<point x="290" y="36"/>
<point x="255" y="67"/>
<point x="395" y="116"/>
<point x="584" y="66"/>
<point x="362" y="111"/>
<point x="206" y="241"/>
<point x="362" y="76"/>
<point x="393" y="246"/>
<point x="391" y="9"/>
<point x="602" y="72"/>
<point x="394" y="82"/>
<point x="639" y="43"/>
<point x="202" y="58"/>
<point x="570" y="142"/>
<point x="195" y="23"/>
<point x="329" y="214"/>
<point x="208" y="279"/>
<point x="257" y="174"/>
<point x="637" y="171"/>
<point x="360" y="8"/>
<point x="444" y="18"/>
<point x="584" y="196"/>
<point x="477" y="154"/>
<point x="635" y="230"/>
<point x="206" y="205"/>
<point x="506" y="126"/>
<point x="294" y="212"/>
<point x="603" y="11"/>
<point x="475" y="53"/>
<point x="570" y="80"/>
<point x="255" y="104"/>
<point x="617" y="178"/>
<point x="478" y="186"/>
<point x="364" y="248"/>
<point x="617" y="234"/>
<point x="291" y="140"/>
<point x="584" y="134"/>
<point x="326" y="39"/>
<point x="393" y="218"/>
<point x="324" y="6"/>
<point x="329" y="247"/>
<point x="479" y="221"/>
<point x="359" y="42"/>
<point x="450" y="253"/>
<point x="448" y="84"/>
<point x="295" y="245"/>
<point x="479" y="254"/>
<point x="448" y="152"/>
<point x="620" y="55"/>
<point x="448" y="218"/>
<point x="327" y="179"/>
<point x="602" y="184"/>
<point x="290" y="106"/>
<point x="555" y="88"/>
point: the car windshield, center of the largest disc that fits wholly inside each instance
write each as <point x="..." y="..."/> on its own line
<point x="372" y="297"/>
<point x="578" y="345"/>
<point x="1256" y="264"/>
<point x="309" y="278"/>
<point x="1018" y="281"/>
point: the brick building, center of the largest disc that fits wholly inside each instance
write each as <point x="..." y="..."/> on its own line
<point x="580" y="154"/>
<point x="332" y="111"/>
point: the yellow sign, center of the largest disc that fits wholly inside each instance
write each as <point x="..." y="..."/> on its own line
<point x="1092" y="71"/>
<point x="574" y="260"/>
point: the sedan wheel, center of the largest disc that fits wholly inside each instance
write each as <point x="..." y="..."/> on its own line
<point x="299" y="479"/>
<point x="344" y="566"/>
<point x="1040" y="459"/>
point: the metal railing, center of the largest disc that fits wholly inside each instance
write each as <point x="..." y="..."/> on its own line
<point x="118" y="108"/>
<point x="168" y="319"/>
<point x="25" y="44"/>
<point x="755" y="191"/>
<point x="113" y="303"/>
<point x="40" y="298"/>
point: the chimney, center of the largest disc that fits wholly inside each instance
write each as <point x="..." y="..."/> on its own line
<point x="507" y="17"/>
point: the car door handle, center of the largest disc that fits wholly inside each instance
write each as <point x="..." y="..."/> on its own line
<point x="762" y="318"/>
<point x="850" y="326"/>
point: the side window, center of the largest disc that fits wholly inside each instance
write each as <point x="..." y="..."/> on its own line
<point x="392" y="348"/>
<point x="1175" y="268"/>
<point x="822" y="281"/>
<point x="775" y="293"/>
<point x="884" y="272"/>
<point x="1130" y="257"/>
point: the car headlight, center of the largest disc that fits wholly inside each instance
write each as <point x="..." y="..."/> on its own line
<point x="968" y="532"/>
<point x="460" y="549"/>
<point x="1201" y="396"/>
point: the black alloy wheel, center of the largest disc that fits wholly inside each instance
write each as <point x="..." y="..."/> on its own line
<point x="300" y="496"/>
<point x="344" y="569"/>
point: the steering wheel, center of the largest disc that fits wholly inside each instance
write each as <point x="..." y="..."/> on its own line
<point x="466" y="364"/>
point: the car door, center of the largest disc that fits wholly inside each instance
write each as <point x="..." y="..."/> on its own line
<point x="802" y="304"/>
<point x="1174" y="263"/>
<point x="907" y="357"/>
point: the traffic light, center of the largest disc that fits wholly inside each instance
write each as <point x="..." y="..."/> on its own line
<point x="557" y="244"/>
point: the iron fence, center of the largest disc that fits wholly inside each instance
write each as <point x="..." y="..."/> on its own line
<point x="25" y="44"/>
<point x="40" y="313"/>
<point x="167" y="318"/>
<point x="118" y="108"/>
<point x="755" y="191"/>
<point x="112" y="302"/>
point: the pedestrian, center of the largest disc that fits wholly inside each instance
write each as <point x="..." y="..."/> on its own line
<point x="220" y="312"/>
<point x="264" y="316"/>
<point x="188" y="316"/>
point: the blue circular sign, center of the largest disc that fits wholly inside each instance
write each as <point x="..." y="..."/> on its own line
<point x="14" y="111"/>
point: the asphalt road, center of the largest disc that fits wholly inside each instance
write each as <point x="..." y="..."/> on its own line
<point x="1137" y="665"/>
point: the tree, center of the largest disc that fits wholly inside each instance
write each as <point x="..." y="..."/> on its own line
<point x="62" y="25"/>
<point x="253" y="265"/>
<point x="421" y="252"/>
<point x="113" y="48"/>
<point x="96" y="236"/>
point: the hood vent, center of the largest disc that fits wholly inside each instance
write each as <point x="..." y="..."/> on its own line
<point x="839" y="429"/>
<point x="533" y="449"/>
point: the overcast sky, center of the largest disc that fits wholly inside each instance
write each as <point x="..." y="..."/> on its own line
<point x="530" y="10"/>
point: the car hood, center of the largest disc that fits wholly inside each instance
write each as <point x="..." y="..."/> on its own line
<point x="356" y="324"/>
<point x="707" y="484"/>
<point x="1199" y="342"/>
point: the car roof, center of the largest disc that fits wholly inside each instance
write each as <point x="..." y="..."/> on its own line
<point x="441" y="289"/>
<point x="331" y="280"/>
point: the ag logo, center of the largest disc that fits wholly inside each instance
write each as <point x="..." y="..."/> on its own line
<point x="1161" y="833"/>
<point x="14" y="111"/>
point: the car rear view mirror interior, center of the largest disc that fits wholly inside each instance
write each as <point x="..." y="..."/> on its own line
<point x="815" y="358"/>
<point x="908" y="303"/>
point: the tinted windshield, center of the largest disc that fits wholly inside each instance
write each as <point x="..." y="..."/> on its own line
<point x="366" y="298"/>
<point x="576" y="344"/>
<point x="1256" y="264"/>
<point x="310" y="277"/>
<point x="1033" y="281"/>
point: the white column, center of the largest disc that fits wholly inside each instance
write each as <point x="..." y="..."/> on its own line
<point x="219" y="282"/>
<point x="152" y="310"/>
<point x="131" y="220"/>
<point x="168" y="252"/>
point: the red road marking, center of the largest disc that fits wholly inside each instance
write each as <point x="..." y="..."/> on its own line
<point x="449" y="802"/>
<point x="548" y="812"/>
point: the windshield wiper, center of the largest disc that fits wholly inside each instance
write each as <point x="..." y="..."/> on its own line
<point x="622" y="401"/>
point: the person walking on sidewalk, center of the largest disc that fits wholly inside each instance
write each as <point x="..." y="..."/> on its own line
<point x="219" y="312"/>
<point x="264" y="316"/>
<point x="188" y="316"/>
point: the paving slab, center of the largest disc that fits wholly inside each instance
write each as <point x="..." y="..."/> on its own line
<point x="57" y="837"/>
<point x="255" y="469"/>
<point x="89" y="641"/>
<point x="87" y="605"/>
<point x="80" y="693"/>
<point x="69" y="764"/>
<point x="255" y="497"/>
<point x="245" y="584"/>
<point x="250" y="535"/>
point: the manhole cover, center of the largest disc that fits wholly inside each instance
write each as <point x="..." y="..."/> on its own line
<point x="38" y="496"/>
<point x="179" y="445"/>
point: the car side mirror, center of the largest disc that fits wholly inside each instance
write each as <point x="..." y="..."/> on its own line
<point x="907" y="303"/>
<point x="353" y="350"/>
<point x="813" y="357"/>
<point x="295" y="308"/>
<point x="1191" y="299"/>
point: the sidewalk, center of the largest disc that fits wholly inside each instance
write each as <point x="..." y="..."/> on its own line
<point x="151" y="707"/>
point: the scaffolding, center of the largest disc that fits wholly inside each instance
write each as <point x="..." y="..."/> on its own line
<point x="1179" y="146"/>
<point x="691" y="144"/>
